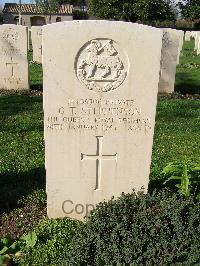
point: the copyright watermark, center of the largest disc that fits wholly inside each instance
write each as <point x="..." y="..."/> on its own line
<point x="69" y="207"/>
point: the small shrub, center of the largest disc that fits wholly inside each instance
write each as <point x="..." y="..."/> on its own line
<point x="184" y="24"/>
<point x="160" y="229"/>
<point x="53" y="239"/>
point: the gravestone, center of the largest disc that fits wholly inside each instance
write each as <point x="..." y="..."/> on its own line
<point x="170" y="50"/>
<point x="196" y="40"/>
<point x="13" y="54"/>
<point x="198" y="44"/>
<point x="100" y="94"/>
<point x="188" y="35"/>
<point x="193" y="34"/>
<point x="180" y="47"/>
<point x="36" y="37"/>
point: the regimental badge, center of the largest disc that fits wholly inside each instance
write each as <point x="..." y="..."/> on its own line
<point x="101" y="65"/>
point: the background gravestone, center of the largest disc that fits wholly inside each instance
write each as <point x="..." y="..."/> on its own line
<point x="180" y="47"/>
<point x="36" y="37"/>
<point x="13" y="54"/>
<point x="188" y="36"/>
<point x="170" y="50"/>
<point x="196" y="40"/>
<point x="100" y="94"/>
<point x="198" y="43"/>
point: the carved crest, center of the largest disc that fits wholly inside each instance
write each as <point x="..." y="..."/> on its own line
<point x="100" y="66"/>
<point x="10" y="35"/>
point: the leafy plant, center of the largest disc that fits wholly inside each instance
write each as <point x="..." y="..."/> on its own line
<point x="53" y="239"/>
<point x="10" y="249"/>
<point x="186" y="173"/>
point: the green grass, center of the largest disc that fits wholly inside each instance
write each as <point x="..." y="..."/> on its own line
<point x="35" y="70"/>
<point x="188" y="71"/>
<point x="177" y="133"/>
<point x="22" y="173"/>
<point x="35" y="73"/>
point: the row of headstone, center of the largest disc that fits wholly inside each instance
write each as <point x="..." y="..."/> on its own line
<point x="189" y="35"/>
<point x="196" y="36"/>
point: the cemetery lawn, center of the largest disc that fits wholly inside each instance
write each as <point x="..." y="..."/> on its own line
<point x="22" y="170"/>
<point x="188" y="71"/>
<point x="22" y="174"/>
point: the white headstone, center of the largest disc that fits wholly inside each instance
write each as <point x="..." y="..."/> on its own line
<point x="180" y="47"/>
<point x="13" y="54"/>
<point x="193" y="34"/>
<point x="196" y="40"/>
<point x="100" y="93"/>
<point x="170" y="49"/>
<point x="188" y="35"/>
<point x="198" y="44"/>
<point x="36" y="37"/>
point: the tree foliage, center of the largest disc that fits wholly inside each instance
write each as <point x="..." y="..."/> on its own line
<point x="132" y="10"/>
<point x="79" y="3"/>
<point x="190" y="9"/>
<point x="48" y="7"/>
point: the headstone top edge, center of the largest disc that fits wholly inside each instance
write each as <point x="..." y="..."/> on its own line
<point x="13" y="25"/>
<point x="100" y="22"/>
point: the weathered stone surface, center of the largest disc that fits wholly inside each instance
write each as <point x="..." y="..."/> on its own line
<point x="36" y="37"/>
<point x="13" y="54"/>
<point x="170" y="50"/>
<point x="100" y="93"/>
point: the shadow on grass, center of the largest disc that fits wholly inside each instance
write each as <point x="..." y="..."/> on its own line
<point x="15" y="104"/>
<point x="187" y="83"/>
<point x="36" y="87"/>
<point x="14" y="186"/>
<point x="155" y="184"/>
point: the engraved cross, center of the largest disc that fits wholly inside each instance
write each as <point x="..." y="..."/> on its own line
<point x="12" y="65"/>
<point x="98" y="157"/>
